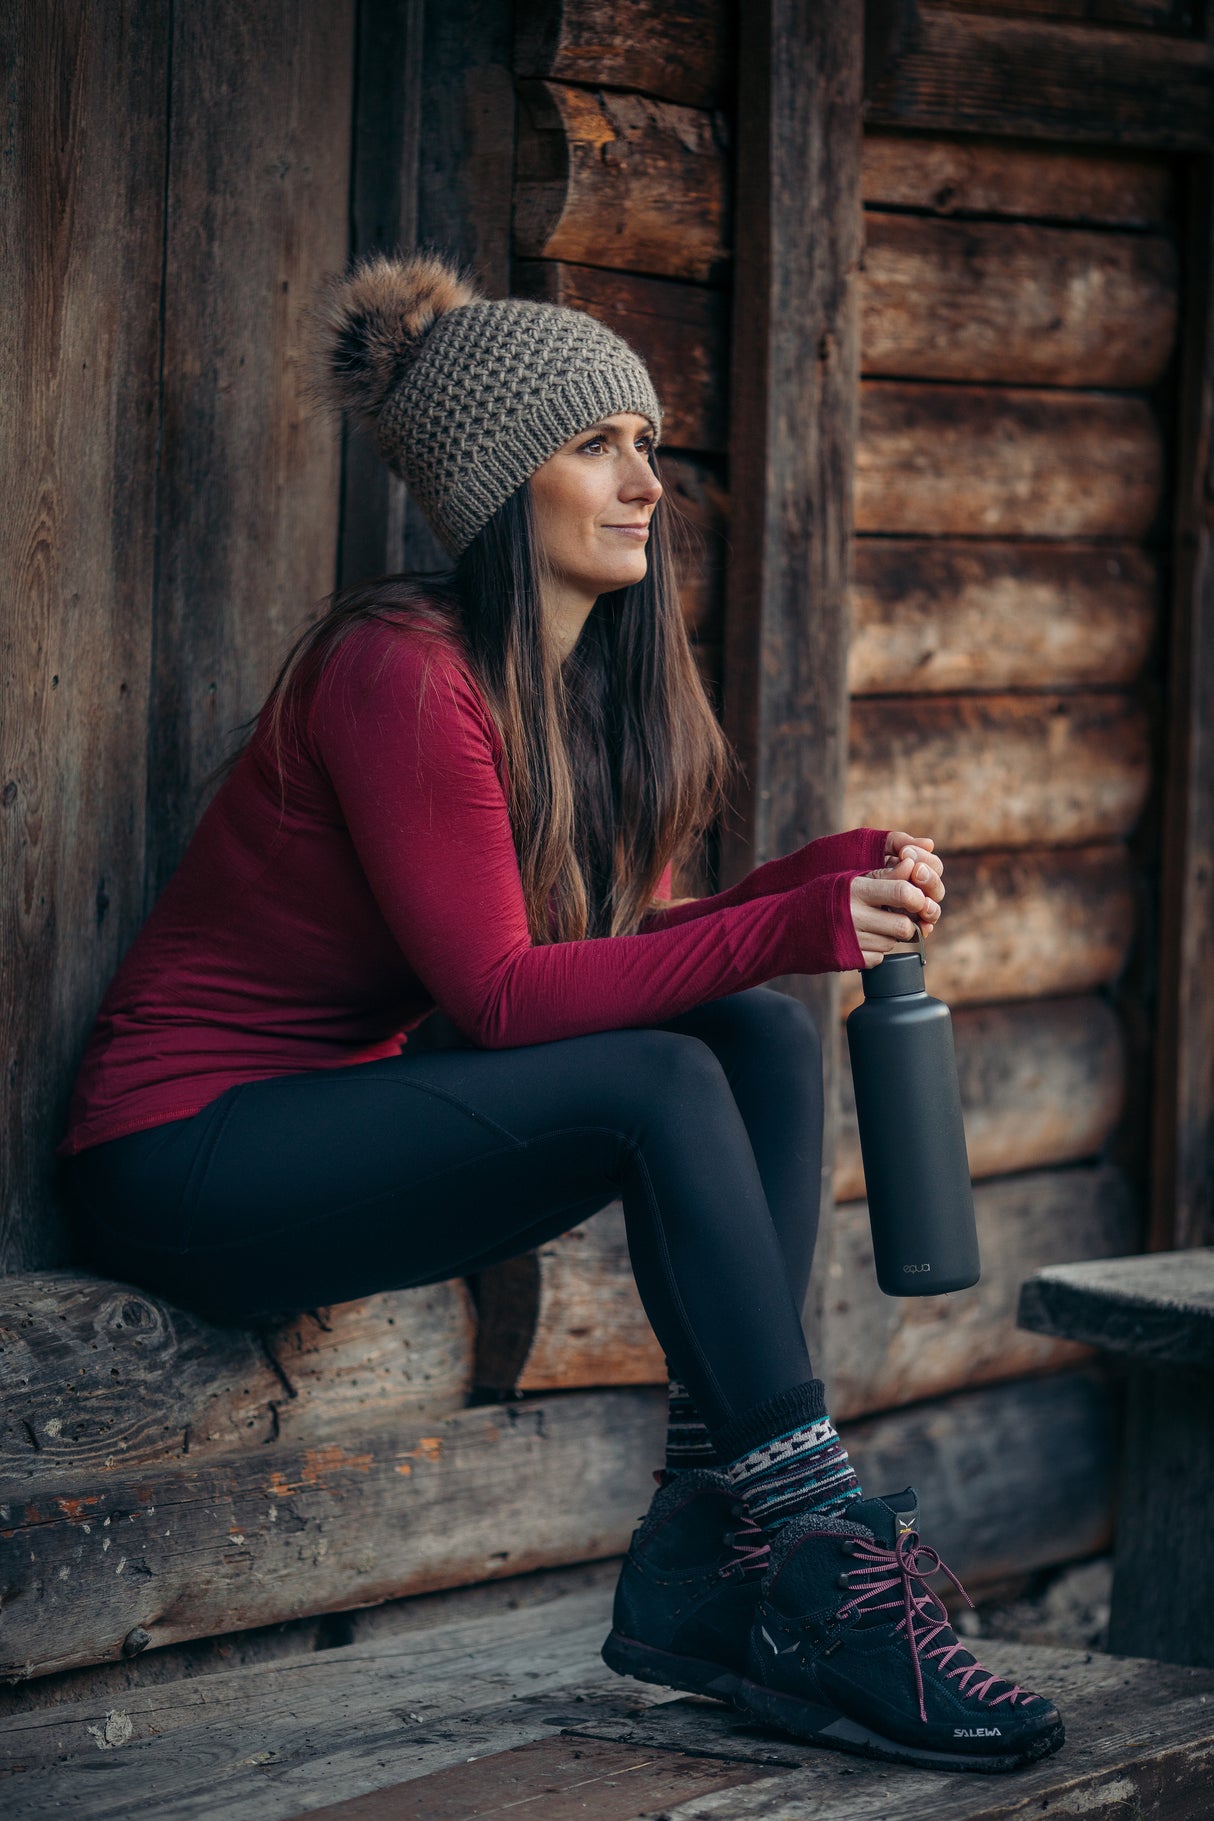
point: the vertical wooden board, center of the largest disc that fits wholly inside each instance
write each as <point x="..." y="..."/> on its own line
<point x="793" y="418"/>
<point x="81" y="229"/>
<point x="257" y="214"/>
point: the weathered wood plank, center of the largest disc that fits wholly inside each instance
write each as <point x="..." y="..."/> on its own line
<point x="273" y="1532"/>
<point x="1042" y="1083"/>
<point x="697" y="490"/>
<point x="614" y="179"/>
<point x="679" y="329"/>
<point x="1000" y="771"/>
<point x="99" y="1376"/>
<point x="1183" y="1147"/>
<point x="384" y="158"/>
<point x="1138" y="1742"/>
<point x="979" y="461"/>
<point x="793" y="422"/>
<point x="679" y="52"/>
<point x="258" y="199"/>
<point x="82" y="224"/>
<point x="1028" y="925"/>
<point x="880" y="1352"/>
<point x="1075" y="83"/>
<point x="973" y="176"/>
<point x="1015" y="302"/>
<point x="932" y="616"/>
<point x="1158" y="1306"/>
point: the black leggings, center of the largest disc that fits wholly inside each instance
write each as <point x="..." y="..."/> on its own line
<point x="321" y="1187"/>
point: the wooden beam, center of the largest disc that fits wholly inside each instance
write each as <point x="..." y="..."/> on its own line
<point x="975" y="176"/>
<point x="793" y="415"/>
<point x="963" y="73"/>
<point x="677" y="50"/>
<point x="1183" y="1161"/>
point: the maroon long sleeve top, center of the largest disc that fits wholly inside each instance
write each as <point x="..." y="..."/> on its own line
<point x="316" y="919"/>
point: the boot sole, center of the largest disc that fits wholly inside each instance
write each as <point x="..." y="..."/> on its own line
<point x="826" y="1726"/>
<point x="695" y="1675"/>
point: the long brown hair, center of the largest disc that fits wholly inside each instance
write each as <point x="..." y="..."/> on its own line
<point x="616" y="761"/>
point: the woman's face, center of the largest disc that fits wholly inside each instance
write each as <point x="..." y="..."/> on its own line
<point x="592" y="502"/>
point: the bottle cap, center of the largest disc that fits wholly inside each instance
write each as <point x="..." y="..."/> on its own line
<point x="897" y="975"/>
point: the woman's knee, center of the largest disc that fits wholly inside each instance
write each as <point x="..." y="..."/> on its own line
<point x="775" y="1021"/>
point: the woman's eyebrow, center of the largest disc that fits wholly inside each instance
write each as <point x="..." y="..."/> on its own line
<point x="615" y="430"/>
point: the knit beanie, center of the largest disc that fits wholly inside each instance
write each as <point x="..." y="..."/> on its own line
<point x="466" y="395"/>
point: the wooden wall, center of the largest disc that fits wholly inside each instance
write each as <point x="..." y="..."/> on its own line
<point x="1013" y="335"/>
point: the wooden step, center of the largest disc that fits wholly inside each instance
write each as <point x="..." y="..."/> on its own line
<point x="438" y="1721"/>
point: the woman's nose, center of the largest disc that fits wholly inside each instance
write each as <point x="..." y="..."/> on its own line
<point x="642" y="483"/>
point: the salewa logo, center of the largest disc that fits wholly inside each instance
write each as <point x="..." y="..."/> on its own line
<point x="909" y="1268"/>
<point x="976" y="1732"/>
<point x="774" y="1645"/>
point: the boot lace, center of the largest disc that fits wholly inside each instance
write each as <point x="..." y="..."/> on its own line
<point x="895" y="1570"/>
<point x="751" y="1548"/>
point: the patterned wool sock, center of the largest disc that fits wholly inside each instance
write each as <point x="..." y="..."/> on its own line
<point x="784" y="1456"/>
<point x="688" y="1443"/>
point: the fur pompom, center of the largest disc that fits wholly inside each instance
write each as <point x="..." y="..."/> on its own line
<point x="371" y="322"/>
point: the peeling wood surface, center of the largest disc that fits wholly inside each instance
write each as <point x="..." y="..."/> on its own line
<point x="609" y="178"/>
<point x="1042" y="1083"/>
<point x="936" y="615"/>
<point x="992" y="461"/>
<point x="273" y="1532"/>
<point x="100" y="1376"/>
<point x="979" y="772"/>
<point x="1015" y="302"/>
<point x="1028" y="925"/>
<point x="880" y="1352"/>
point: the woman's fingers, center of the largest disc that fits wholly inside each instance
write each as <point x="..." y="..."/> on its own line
<point x="926" y="865"/>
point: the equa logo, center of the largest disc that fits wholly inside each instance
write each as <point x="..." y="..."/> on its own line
<point x="909" y="1268"/>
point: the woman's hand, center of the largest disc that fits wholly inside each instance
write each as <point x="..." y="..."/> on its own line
<point x="927" y="868"/>
<point x="889" y="909"/>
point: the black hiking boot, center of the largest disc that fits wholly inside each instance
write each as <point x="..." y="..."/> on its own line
<point x="850" y="1649"/>
<point x="688" y="1586"/>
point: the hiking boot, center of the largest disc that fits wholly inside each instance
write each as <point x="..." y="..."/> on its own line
<point x="688" y="1585"/>
<point x="851" y="1650"/>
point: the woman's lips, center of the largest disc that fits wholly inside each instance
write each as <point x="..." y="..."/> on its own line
<point x="636" y="531"/>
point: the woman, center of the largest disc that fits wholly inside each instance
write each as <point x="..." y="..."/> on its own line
<point x="468" y="793"/>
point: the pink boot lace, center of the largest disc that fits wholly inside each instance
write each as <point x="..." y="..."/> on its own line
<point x="751" y="1546"/>
<point x="896" y="1568"/>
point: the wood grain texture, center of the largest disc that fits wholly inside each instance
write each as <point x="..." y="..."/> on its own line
<point x="999" y="771"/>
<point x="1157" y="1308"/>
<point x="677" y="52"/>
<point x="257" y="199"/>
<point x="990" y="462"/>
<point x="272" y="1533"/>
<point x="1042" y="1083"/>
<point x="680" y="331"/>
<point x="99" y="1376"/>
<point x="968" y="175"/>
<point x="936" y="615"/>
<point x="879" y="1352"/>
<point x="1075" y="83"/>
<point x="1015" y="302"/>
<point x="609" y="178"/>
<point x="793" y="420"/>
<point x="1183" y="1147"/>
<point x="81" y="222"/>
<point x="1028" y="925"/>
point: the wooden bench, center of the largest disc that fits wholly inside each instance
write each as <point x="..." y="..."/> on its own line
<point x="1156" y="1313"/>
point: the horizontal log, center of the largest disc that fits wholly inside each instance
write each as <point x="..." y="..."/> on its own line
<point x="973" y="176"/>
<point x="98" y="1375"/>
<point x="999" y="771"/>
<point x="612" y="179"/>
<point x="1041" y="1083"/>
<point x="878" y="1352"/>
<point x="678" y="51"/>
<point x="974" y="1456"/>
<point x="189" y="1548"/>
<point x="1015" y="302"/>
<point x="1027" y="925"/>
<point x="680" y="331"/>
<point x="977" y="461"/>
<point x="930" y="617"/>
<point x="961" y="73"/>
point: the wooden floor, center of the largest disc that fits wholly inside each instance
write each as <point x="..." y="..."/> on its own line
<point x="511" y="1713"/>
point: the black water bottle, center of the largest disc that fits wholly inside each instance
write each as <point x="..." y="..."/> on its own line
<point x="912" y="1139"/>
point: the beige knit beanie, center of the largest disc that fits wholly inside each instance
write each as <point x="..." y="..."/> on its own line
<point x="467" y="396"/>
